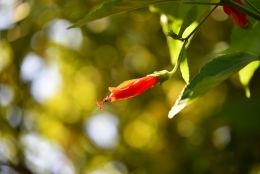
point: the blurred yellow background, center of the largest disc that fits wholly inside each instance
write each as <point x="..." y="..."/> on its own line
<point x="51" y="78"/>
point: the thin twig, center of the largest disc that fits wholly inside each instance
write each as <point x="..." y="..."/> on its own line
<point x="202" y="21"/>
<point x="202" y="3"/>
<point x="186" y="39"/>
<point x="252" y="6"/>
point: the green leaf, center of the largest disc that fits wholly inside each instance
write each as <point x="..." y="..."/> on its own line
<point x="212" y="74"/>
<point x="184" y="67"/>
<point x="173" y="44"/>
<point x="112" y="7"/>
<point x="246" y="74"/>
<point x="179" y="19"/>
<point x="177" y="25"/>
<point x="190" y="17"/>
<point x="246" y="41"/>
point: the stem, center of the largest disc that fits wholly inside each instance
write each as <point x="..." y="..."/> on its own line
<point x="252" y="6"/>
<point x="179" y="59"/>
<point x="243" y="9"/>
<point x="186" y="39"/>
<point x="202" y="21"/>
<point x="190" y="2"/>
<point x="175" y="36"/>
<point x="202" y="3"/>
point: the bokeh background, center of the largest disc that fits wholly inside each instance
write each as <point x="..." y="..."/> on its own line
<point x="51" y="77"/>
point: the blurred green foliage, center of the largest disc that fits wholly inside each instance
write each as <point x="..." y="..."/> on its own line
<point x="51" y="77"/>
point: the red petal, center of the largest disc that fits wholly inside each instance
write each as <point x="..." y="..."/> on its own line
<point x="135" y="88"/>
<point x="238" y="17"/>
<point x="128" y="89"/>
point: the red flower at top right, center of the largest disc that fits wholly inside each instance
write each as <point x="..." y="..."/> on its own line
<point x="238" y="17"/>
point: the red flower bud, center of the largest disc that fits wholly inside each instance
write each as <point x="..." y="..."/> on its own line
<point x="129" y="88"/>
<point x="238" y="17"/>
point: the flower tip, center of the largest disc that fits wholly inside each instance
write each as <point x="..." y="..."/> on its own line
<point x="100" y="105"/>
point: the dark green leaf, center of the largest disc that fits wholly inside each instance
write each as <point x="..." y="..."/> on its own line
<point x="112" y="7"/>
<point x="246" y="41"/>
<point x="210" y="76"/>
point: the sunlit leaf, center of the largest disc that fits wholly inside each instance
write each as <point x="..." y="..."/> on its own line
<point x="246" y="74"/>
<point x="184" y="67"/>
<point x="210" y="76"/>
<point x="180" y="23"/>
<point x="189" y="18"/>
<point x="246" y="41"/>
<point x="173" y="44"/>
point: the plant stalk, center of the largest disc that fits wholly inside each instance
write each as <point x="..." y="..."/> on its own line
<point x="185" y="41"/>
<point x="252" y="6"/>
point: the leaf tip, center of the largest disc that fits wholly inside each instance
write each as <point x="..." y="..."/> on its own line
<point x="70" y="27"/>
<point x="176" y="109"/>
<point x="248" y="93"/>
<point x="78" y="24"/>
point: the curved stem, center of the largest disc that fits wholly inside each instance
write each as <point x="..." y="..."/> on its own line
<point x="202" y="21"/>
<point x="179" y="59"/>
<point x="185" y="41"/>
